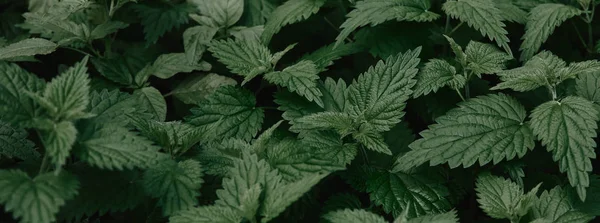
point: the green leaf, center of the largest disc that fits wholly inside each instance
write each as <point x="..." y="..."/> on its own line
<point x="228" y="112"/>
<point x="481" y="15"/>
<point x="176" y="184"/>
<point x="174" y="136"/>
<point x="206" y="214"/>
<point x="59" y="141"/>
<point x="330" y="146"/>
<point x="116" y="148"/>
<point x="353" y="216"/>
<point x="278" y="196"/>
<point x="485" y="58"/>
<point x="294" y="106"/>
<point x="461" y="56"/>
<point x="116" y="69"/>
<point x="511" y="12"/>
<point x="588" y="87"/>
<point x="375" y="12"/>
<point x="167" y="65"/>
<point x="15" y="106"/>
<point x="492" y="126"/>
<point x="224" y="13"/>
<point x="395" y="191"/>
<point x="112" y="107"/>
<point x="567" y="128"/>
<point x="196" y="40"/>
<point x="256" y="12"/>
<point x="58" y="27"/>
<point x="541" y="22"/>
<point x="292" y="11"/>
<point x="502" y="199"/>
<point x="378" y="96"/>
<point x="15" y="143"/>
<point x="247" y="33"/>
<point x="69" y="92"/>
<point x="593" y="198"/>
<point x="107" y="28"/>
<point x="242" y="56"/>
<point x="35" y="200"/>
<point x="341" y="122"/>
<point x="436" y="74"/>
<point x="196" y="88"/>
<point x="27" y="47"/>
<point x="324" y="56"/>
<point x="300" y="78"/>
<point x="448" y="217"/>
<point x="153" y="101"/>
<point x="556" y="206"/>
<point x="159" y="19"/>
<point x="372" y="139"/>
<point x="334" y="94"/>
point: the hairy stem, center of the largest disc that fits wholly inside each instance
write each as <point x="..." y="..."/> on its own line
<point x="460" y="94"/>
<point x="455" y="28"/>
<point x="579" y="35"/>
<point x="44" y="164"/>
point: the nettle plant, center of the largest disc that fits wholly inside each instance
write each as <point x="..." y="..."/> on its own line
<point x="299" y="111"/>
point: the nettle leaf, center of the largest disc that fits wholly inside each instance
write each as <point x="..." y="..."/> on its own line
<point x="228" y="112"/>
<point x="247" y="33"/>
<point x="593" y="198"/>
<point x="159" y="19"/>
<point x="341" y="122"/>
<point x="353" y="216"/>
<point x="541" y="22"/>
<point x="206" y="214"/>
<point x="378" y="96"/>
<point x="300" y="78"/>
<point x="15" y="143"/>
<point x="167" y="65"/>
<point x="292" y="11"/>
<point x="484" y="58"/>
<point x="421" y="193"/>
<point x="460" y="54"/>
<point x="448" y="217"/>
<point x="375" y="12"/>
<point x="196" y="40"/>
<point x="241" y="56"/>
<point x="27" y="47"/>
<point x="58" y="141"/>
<point x="294" y="106"/>
<point x="256" y="12"/>
<point x="151" y="99"/>
<point x="330" y="146"/>
<point x="69" y="92"/>
<point x="116" y="148"/>
<point x="510" y="11"/>
<point x="334" y="94"/>
<point x="501" y="198"/>
<point x="324" y="56"/>
<point x="556" y="206"/>
<point x="175" y="136"/>
<point x="195" y="88"/>
<point x="588" y="87"/>
<point x="481" y="15"/>
<point x="279" y="195"/>
<point x="567" y="128"/>
<point x="372" y="139"/>
<point x="106" y="29"/>
<point x="176" y="184"/>
<point x="15" y="106"/>
<point x="224" y="13"/>
<point x="112" y="107"/>
<point x="35" y="200"/>
<point x="486" y="129"/>
<point x="436" y="74"/>
<point x="58" y="27"/>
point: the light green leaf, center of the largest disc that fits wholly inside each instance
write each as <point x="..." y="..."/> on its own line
<point x="556" y="206"/>
<point x="167" y="65"/>
<point x="486" y="129"/>
<point x="334" y="94"/>
<point x="324" y="56"/>
<point x="112" y="107"/>
<point x="300" y="78"/>
<point x="35" y="200"/>
<point x="481" y="15"/>
<point x="485" y="58"/>
<point x="15" y="106"/>
<point x="151" y="99"/>
<point x="461" y="56"/>
<point x="58" y="27"/>
<point x="541" y="22"/>
<point x="196" y="40"/>
<point x="375" y="12"/>
<point x="353" y="216"/>
<point x="330" y="146"/>
<point x="58" y="141"/>
<point x="195" y="88"/>
<point x="224" y="13"/>
<point x="511" y="12"/>
<point x="159" y="19"/>
<point x="278" y="196"/>
<point x="567" y="128"/>
<point x="588" y="87"/>
<point x="107" y="28"/>
<point x="116" y="148"/>
<point x="242" y="56"/>
<point x="341" y="122"/>
<point x="206" y="214"/>
<point x="228" y="112"/>
<point x="247" y="33"/>
<point x="436" y="74"/>
<point x="502" y="199"/>
<point x="176" y="184"/>
<point x="15" y="143"/>
<point x="69" y="92"/>
<point x="27" y="47"/>
<point x="372" y="139"/>
<point x="174" y="136"/>
<point x="378" y="96"/>
<point x="448" y="217"/>
<point x="292" y="11"/>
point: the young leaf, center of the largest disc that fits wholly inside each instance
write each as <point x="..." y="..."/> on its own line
<point x="167" y="65"/>
<point x="15" y="143"/>
<point x="228" y="112"/>
<point x="69" y="92"/>
<point x="353" y="216"/>
<point x="492" y="126"/>
<point x="35" y="200"/>
<point x="567" y="128"/>
<point x="375" y="12"/>
<point x="158" y="20"/>
<point x="116" y="148"/>
<point x="371" y="139"/>
<point x="290" y="12"/>
<point x="501" y="198"/>
<point x="15" y="106"/>
<point x="206" y="214"/>
<point x="341" y="122"/>
<point x="27" y="47"/>
<point x="107" y="28"/>
<point x="330" y="146"/>
<point x="174" y="136"/>
<point x="588" y="87"/>
<point x="378" y="96"/>
<point x="196" y="40"/>
<point x="461" y="56"/>
<point x="481" y="15"/>
<point x="484" y="58"/>
<point x="436" y="74"/>
<point x="153" y="101"/>
<point x="176" y="184"/>
<point x="300" y="78"/>
<point x="325" y="56"/>
<point x="294" y="106"/>
<point x="556" y="206"/>
<point x="334" y="94"/>
<point x="58" y="141"/>
<point x="278" y="195"/>
<point x="242" y="57"/>
<point x="224" y="13"/>
<point x="541" y="22"/>
<point x="195" y="88"/>
<point x="256" y="12"/>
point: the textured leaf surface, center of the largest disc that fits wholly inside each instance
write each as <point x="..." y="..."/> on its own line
<point x="448" y="217"/>
<point x="15" y="106"/>
<point x="175" y="136"/>
<point x="278" y="196"/>
<point x="224" y="13"/>
<point x="567" y="128"/>
<point x="112" y="107"/>
<point x="35" y="200"/>
<point x="542" y="21"/>
<point x="153" y="101"/>
<point x="325" y="56"/>
<point x="486" y="129"/>
<point x="228" y="112"/>
<point x="485" y="58"/>
<point x="58" y="141"/>
<point x="242" y="57"/>
<point x="69" y="92"/>
<point x="300" y="78"/>
<point x="175" y="184"/>
<point x="588" y="87"/>
<point x="353" y="216"/>
<point x="256" y="12"/>
<point x="206" y="214"/>
<point x="107" y="28"/>
<point x="290" y="12"/>
<point x="167" y="65"/>
<point x="158" y="20"/>
<point x="334" y="94"/>
<point x="14" y="143"/>
<point x="501" y="198"/>
<point x="329" y="146"/>
<point x="294" y="106"/>
<point x="375" y="12"/>
<point x="556" y="206"/>
<point x="27" y="47"/>
<point x="436" y="74"/>
<point x="195" y="89"/>
<point x="196" y="40"/>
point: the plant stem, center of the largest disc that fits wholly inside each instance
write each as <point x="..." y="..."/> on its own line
<point x="44" y="164"/>
<point x="459" y="94"/>
<point x="552" y="91"/>
<point x="579" y="35"/>
<point x="455" y="28"/>
<point x="467" y="91"/>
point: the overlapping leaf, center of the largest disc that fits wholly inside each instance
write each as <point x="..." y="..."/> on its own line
<point x="290" y="12"/>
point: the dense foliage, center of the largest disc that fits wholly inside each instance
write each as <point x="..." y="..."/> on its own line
<point x="349" y="111"/>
